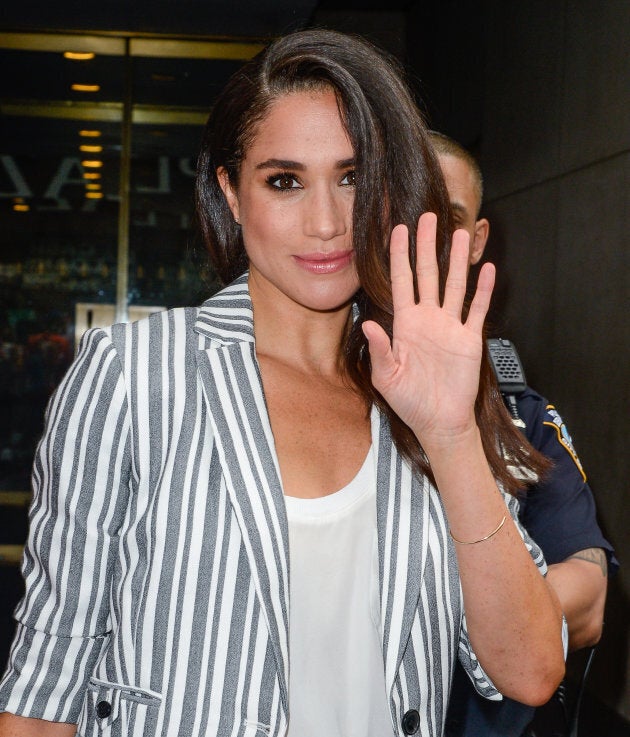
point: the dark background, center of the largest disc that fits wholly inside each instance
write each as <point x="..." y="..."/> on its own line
<point x="540" y="92"/>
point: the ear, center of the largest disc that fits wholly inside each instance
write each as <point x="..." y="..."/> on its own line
<point x="478" y="245"/>
<point x="229" y="192"/>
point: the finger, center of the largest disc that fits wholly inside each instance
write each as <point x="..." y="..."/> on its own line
<point x="426" y="260"/>
<point x="400" y="270"/>
<point x="455" y="290"/>
<point x="481" y="301"/>
<point x="381" y="356"/>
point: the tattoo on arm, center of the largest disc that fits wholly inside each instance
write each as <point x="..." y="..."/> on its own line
<point x="593" y="555"/>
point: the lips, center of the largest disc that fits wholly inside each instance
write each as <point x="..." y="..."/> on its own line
<point x="324" y="263"/>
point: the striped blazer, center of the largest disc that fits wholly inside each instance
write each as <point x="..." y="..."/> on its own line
<point x="157" y="567"/>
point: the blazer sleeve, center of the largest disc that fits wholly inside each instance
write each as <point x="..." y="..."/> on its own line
<point x="80" y="492"/>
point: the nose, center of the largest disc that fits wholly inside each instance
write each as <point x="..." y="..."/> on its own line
<point x="328" y="213"/>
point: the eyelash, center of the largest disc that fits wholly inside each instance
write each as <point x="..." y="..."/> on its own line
<point x="273" y="179"/>
<point x="348" y="174"/>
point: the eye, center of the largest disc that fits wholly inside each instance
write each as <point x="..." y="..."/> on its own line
<point x="458" y="218"/>
<point x="349" y="179"/>
<point x="283" y="181"/>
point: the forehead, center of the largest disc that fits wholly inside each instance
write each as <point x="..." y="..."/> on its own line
<point x="301" y="121"/>
<point x="460" y="181"/>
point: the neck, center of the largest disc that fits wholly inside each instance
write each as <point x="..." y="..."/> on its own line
<point x="307" y="339"/>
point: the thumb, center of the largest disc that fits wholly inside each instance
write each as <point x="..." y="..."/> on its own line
<point x="381" y="356"/>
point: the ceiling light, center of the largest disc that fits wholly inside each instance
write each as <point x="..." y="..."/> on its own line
<point x="86" y="87"/>
<point x="94" y="195"/>
<point x="91" y="175"/>
<point x="90" y="149"/>
<point x="92" y="164"/>
<point x="79" y="55"/>
<point x="90" y="134"/>
<point x="93" y="187"/>
<point x="21" y="208"/>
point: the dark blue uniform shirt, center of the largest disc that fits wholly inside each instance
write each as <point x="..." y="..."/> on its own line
<point x="559" y="514"/>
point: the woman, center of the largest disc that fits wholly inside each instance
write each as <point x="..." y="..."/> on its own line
<point x="308" y="413"/>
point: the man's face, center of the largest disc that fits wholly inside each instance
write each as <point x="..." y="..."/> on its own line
<point x="464" y="197"/>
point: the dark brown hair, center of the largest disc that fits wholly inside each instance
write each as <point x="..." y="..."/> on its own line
<point x="398" y="178"/>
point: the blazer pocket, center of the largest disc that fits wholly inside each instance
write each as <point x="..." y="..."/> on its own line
<point x="117" y="710"/>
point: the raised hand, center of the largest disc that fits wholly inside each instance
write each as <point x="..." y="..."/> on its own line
<point x="429" y="372"/>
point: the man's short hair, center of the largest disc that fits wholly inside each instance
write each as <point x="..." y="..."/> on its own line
<point x="445" y="146"/>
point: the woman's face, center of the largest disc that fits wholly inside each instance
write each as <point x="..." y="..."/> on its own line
<point x="294" y="203"/>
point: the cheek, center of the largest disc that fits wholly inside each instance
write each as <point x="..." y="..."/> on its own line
<point x="265" y="235"/>
<point x="259" y="231"/>
<point x="268" y="221"/>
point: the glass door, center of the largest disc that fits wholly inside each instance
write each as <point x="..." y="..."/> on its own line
<point x="98" y="143"/>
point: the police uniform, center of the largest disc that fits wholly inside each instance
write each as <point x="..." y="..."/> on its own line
<point x="559" y="513"/>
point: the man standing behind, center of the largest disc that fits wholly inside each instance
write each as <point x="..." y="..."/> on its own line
<point x="559" y="512"/>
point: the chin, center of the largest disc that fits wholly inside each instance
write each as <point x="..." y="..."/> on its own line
<point x="329" y="299"/>
<point x="316" y="293"/>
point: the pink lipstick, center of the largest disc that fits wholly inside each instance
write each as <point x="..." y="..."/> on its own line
<point x="324" y="263"/>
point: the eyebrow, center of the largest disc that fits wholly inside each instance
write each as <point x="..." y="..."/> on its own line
<point x="297" y="166"/>
<point x="457" y="208"/>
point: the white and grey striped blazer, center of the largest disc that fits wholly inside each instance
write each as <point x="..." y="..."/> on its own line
<point x="157" y="563"/>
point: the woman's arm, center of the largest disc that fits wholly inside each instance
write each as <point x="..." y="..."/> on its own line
<point x="429" y="374"/>
<point x="15" y="726"/>
<point x="514" y="617"/>
<point x="80" y="488"/>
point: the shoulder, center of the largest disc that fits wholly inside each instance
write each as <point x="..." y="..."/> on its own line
<point x="531" y="407"/>
<point x="161" y="332"/>
<point x="152" y="345"/>
<point x="177" y="319"/>
<point x="546" y="430"/>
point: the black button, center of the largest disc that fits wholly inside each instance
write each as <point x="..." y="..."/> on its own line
<point x="411" y="722"/>
<point x="104" y="709"/>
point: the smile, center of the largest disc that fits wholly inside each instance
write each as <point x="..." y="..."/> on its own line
<point x="324" y="263"/>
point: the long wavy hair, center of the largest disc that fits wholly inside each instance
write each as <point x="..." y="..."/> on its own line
<point x="398" y="178"/>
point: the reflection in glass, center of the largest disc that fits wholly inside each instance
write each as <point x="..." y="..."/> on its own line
<point x="57" y="247"/>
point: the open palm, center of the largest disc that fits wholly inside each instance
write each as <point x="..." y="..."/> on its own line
<point x="429" y="372"/>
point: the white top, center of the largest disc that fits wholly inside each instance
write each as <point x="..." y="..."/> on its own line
<point x="336" y="679"/>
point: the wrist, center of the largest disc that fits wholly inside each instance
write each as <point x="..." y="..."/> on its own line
<point x="451" y="444"/>
<point x="463" y="476"/>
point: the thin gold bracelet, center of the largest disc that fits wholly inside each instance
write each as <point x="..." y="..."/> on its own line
<point x="481" y="539"/>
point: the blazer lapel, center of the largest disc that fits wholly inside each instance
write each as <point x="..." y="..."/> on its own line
<point x="233" y="391"/>
<point x="402" y="509"/>
<point x="232" y="387"/>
